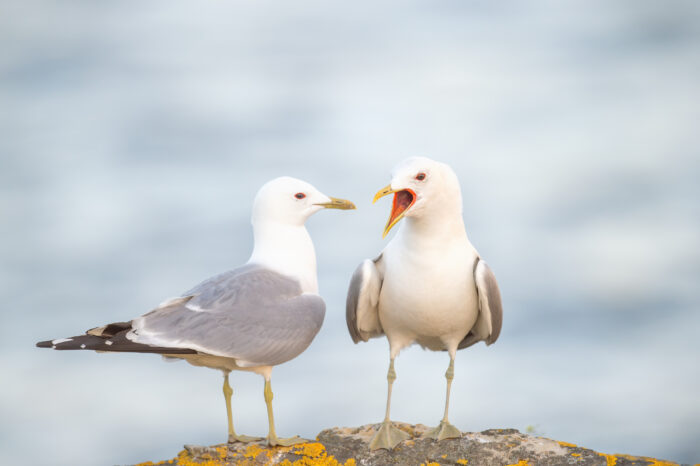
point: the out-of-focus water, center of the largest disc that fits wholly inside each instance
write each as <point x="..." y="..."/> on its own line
<point x="134" y="135"/>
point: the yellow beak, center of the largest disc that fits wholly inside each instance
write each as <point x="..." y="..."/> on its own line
<point x="403" y="199"/>
<point x="336" y="203"/>
<point x="386" y="190"/>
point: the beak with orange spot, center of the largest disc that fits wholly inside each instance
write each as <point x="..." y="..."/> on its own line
<point x="403" y="200"/>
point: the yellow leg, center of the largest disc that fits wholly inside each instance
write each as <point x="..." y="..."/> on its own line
<point x="232" y="436"/>
<point x="449" y="376"/>
<point x="445" y="429"/>
<point x="388" y="436"/>
<point x="390" y="378"/>
<point x="272" y="438"/>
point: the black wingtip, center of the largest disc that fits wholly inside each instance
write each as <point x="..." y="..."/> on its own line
<point x="44" y="344"/>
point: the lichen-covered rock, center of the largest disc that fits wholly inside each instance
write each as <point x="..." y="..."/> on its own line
<point x="348" y="447"/>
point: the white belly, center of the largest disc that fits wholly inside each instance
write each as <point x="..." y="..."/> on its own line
<point x="428" y="300"/>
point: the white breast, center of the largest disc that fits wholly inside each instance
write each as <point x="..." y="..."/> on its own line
<point x="428" y="294"/>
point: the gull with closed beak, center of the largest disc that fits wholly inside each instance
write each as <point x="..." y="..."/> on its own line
<point x="252" y="318"/>
<point x="428" y="286"/>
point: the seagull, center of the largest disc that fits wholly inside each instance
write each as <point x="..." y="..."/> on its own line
<point x="252" y="318"/>
<point x="428" y="286"/>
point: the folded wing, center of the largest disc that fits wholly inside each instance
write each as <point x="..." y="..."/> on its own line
<point x="252" y="314"/>
<point x="362" y="305"/>
<point x="488" y="324"/>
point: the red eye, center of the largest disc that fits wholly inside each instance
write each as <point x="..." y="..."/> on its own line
<point x="300" y="195"/>
<point x="420" y="176"/>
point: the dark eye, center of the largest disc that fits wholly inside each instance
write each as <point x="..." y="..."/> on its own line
<point x="420" y="176"/>
<point x="300" y="195"/>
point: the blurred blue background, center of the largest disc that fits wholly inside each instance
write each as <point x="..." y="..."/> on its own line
<point x="134" y="135"/>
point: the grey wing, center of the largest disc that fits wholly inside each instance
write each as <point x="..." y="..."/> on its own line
<point x="362" y="305"/>
<point x="490" y="319"/>
<point x="252" y="314"/>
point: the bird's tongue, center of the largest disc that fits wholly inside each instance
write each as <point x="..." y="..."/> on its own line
<point x="402" y="200"/>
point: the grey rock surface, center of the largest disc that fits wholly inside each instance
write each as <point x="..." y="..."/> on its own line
<point x="348" y="446"/>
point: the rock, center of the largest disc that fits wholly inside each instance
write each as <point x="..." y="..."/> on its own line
<point x="347" y="446"/>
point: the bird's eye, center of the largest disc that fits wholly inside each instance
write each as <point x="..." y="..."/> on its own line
<point x="300" y="195"/>
<point x="420" y="176"/>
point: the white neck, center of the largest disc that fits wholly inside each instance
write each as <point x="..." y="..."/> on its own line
<point x="440" y="219"/>
<point x="435" y="230"/>
<point x="287" y="249"/>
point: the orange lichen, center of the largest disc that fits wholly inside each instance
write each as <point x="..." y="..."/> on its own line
<point x="655" y="462"/>
<point x="160" y="463"/>
<point x="185" y="459"/>
<point x="611" y="460"/>
<point x="253" y="450"/>
<point x="430" y="464"/>
<point x="576" y="454"/>
<point x="652" y="461"/>
<point x="310" y="449"/>
<point x="520" y="463"/>
<point x="462" y="461"/>
<point x="314" y="454"/>
<point x="567" y="444"/>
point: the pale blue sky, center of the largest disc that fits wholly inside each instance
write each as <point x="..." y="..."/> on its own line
<point x="134" y="135"/>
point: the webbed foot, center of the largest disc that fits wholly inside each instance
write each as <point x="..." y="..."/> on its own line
<point x="285" y="442"/>
<point x="388" y="436"/>
<point x="242" y="438"/>
<point x="443" y="431"/>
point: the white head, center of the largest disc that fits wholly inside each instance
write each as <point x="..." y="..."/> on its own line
<point x="422" y="188"/>
<point x="290" y="201"/>
<point x="281" y="241"/>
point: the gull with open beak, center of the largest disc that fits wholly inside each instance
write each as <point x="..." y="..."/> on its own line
<point x="252" y="318"/>
<point x="428" y="286"/>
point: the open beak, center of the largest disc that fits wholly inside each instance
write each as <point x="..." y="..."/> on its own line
<point x="403" y="200"/>
<point x="336" y="203"/>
